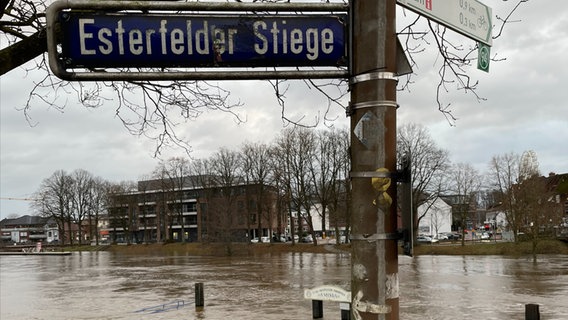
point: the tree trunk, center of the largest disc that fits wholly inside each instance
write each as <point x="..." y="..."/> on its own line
<point x="23" y="51"/>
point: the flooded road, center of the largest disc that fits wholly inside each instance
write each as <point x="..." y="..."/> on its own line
<point x="103" y="285"/>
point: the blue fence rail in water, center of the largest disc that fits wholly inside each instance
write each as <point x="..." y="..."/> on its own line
<point x="175" y="305"/>
<point x="199" y="302"/>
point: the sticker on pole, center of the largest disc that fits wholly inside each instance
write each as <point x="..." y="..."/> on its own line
<point x="367" y="129"/>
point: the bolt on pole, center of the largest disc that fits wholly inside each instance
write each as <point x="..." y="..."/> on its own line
<point x="374" y="274"/>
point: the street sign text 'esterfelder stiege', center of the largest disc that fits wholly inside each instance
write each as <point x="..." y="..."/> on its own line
<point x="92" y="40"/>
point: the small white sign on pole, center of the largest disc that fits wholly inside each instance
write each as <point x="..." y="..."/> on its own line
<point x="328" y="293"/>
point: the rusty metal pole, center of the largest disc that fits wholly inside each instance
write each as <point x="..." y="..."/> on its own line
<point x="374" y="275"/>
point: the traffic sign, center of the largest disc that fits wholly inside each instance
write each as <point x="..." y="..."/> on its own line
<point x="96" y="40"/>
<point x="483" y="57"/>
<point x="468" y="17"/>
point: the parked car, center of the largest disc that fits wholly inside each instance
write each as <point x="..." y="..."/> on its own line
<point x="307" y="239"/>
<point x="265" y="239"/>
<point x="281" y="238"/>
<point x="426" y="239"/>
<point x="254" y="240"/>
<point x="454" y="236"/>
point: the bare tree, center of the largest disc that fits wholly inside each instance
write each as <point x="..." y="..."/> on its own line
<point x="503" y="175"/>
<point x="535" y="201"/>
<point x="202" y="170"/>
<point x="298" y="147"/>
<point x="428" y="164"/>
<point x="154" y="109"/>
<point x="122" y="207"/>
<point x="70" y="199"/>
<point x="226" y="169"/>
<point x="341" y="206"/>
<point x="255" y="162"/>
<point x="55" y="199"/>
<point x="165" y="197"/>
<point x="82" y="181"/>
<point x="97" y="199"/>
<point x="281" y="181"/>
<point x="466" y="182"/>
<point x="535" y="208"/>
<point x="177" y="171"/>
<point x="326" y="172"/>
<point x="146" y="208"/>
<point x="22" y="25"/>
<point x="455" y="57"/>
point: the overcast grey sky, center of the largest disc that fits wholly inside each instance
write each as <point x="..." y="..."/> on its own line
<point x="526" y="109"/>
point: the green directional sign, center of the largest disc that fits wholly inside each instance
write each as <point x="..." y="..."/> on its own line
<point x="468" y="17"/>
<point x="483" y="57"/>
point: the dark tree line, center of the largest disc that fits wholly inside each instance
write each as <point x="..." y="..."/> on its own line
<point x="73" y="200"/>
<point x="309" y="169"/>
<point x="512" y="184"/>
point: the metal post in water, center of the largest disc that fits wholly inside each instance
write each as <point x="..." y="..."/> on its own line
<point x="317" y="309"/>
<point x="345" y="311"/>
<point x="199" y="300"/>
<point x="532" y="312"/>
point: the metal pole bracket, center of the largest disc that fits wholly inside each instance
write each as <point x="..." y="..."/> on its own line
<point x="377" y="75"/>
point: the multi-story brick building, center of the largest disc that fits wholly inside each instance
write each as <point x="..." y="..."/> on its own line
<point x="199" y="210"/>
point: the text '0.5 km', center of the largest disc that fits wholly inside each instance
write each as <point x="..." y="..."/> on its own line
<point x="136" y="40"/>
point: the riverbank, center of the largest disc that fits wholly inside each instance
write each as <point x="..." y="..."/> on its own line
<point x="240" y="249"/>
<point x="226" y="249"/>
<point x="495" y="248"/>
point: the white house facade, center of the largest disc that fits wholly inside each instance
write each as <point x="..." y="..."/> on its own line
<point x="437" y="217"/>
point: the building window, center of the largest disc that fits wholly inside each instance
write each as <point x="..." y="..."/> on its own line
<point x="191" y="220"/>
<point x="190" y="207"/>
<point x="252" y="204"/>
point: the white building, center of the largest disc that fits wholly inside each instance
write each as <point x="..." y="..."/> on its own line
<point x="437" y="217"/>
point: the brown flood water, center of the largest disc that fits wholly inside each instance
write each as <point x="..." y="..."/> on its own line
<point x="103" y="285"/>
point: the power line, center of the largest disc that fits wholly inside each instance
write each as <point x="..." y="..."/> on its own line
<point x="17" y="199"/>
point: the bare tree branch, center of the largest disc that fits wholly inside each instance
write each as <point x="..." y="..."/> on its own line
<point x="157" y="109"/>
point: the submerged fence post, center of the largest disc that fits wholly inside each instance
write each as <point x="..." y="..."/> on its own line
<point x="317" y="309"/>
<point x="345" y="311"/>
<point x="532" y="312"/>
<point x="199" y="300"/>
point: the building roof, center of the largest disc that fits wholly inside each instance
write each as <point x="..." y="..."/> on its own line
<point x="24" y="220"/>
<point x="558" y="182"/>
<point x="189" y="182"/>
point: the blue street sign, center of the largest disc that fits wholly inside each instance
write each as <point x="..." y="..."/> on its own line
<point x="91" y="40"/>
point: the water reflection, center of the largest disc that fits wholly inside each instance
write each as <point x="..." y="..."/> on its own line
<point x="483" y="287"/>
<point x="97" y="285"/>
